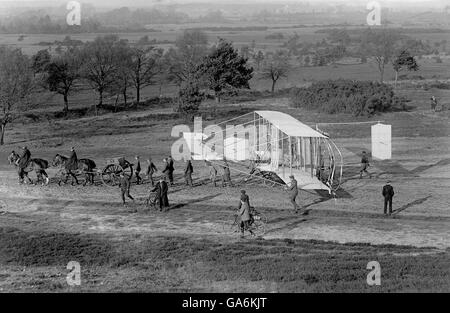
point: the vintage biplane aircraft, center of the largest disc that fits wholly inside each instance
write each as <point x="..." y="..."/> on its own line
<point x="273" y="142"/>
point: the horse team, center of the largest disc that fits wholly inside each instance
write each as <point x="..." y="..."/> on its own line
<point x="70" y="166"/>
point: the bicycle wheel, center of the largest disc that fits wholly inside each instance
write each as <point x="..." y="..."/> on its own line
<point x="258" y="226"/>
<point x="230" y="225"/>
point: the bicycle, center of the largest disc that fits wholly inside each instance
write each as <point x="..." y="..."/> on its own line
<point x="257" y="223"/>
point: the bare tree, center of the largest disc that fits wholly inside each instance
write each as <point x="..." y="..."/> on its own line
<point x="380" y="45"/>
<point x="123" y="76"/>
<point x="102" y="64"/>
<point x="275" y="67"/>
<point x="16" y="84"/>
<point x="183" y="60"/>
<point x="143" y="68"/>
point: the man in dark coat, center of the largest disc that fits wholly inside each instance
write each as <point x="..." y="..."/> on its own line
<point x="161" y="190"/>
<point x="226" y="175"/>
<point x="433" y="103"/>
<point x="188" y="172"/>
<point x="23" y="162"/>
<point x="151" y="169"/>
<point x="244" y="213"/>
<point x="72" y="163"/>
<point x="364" y="165"/>
<point x="212" y="172"/>
<point x="388" y="194"/>
<point x="124" y="184"/>
<point x="172" y="169"/>
<point x="293" y="192"/>
<point x="168" y="170"/>
<point x="137" y="170"/>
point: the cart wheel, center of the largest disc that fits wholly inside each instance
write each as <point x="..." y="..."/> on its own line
<point x="128" y="171"/>
<point x="110" y="174"/>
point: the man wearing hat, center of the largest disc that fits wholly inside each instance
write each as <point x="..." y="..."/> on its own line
<point x="23" y="162"/>
<point x="433" y="103"/>
<point x="188" y="173"/>
<point x="72" y="163"/>
<point x="161" y="190"/>
<point x="244" y="213"/>
<point x="168" y="169"/>
<point x="226" y="175"/>
<point x="293" y="192"/>
<point x="388" y="194"/>
<point x="151" y="169"/>
<point x="124" y="184"/>
<point x="137" y="170"/>
<point x="364" y="165"/>
<point x="212" y="172"/>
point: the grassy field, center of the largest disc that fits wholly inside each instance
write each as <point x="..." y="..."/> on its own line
<point x="187" y="249"/>
<point x="134" y="248"/>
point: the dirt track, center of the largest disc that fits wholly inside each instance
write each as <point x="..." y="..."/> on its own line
<point x="422" y="218"/>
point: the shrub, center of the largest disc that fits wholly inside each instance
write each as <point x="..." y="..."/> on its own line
<point x="346" y="96"/>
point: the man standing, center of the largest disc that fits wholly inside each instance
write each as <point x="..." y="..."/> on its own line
<point x="212" y="172"/>
<point x="244" y="213"/>
<point x="151" y="169"/>
<point x="226" y="176"/>
<point x="388" y="194"/>
<point x="172" y="169"/>
<point x="161" y="189"/>
<point x="23" y="163"/>
<point x="188" y="173"/>
<point x="72" y="163"/>
<point x="124" y="184"/>
<point x="364" y="165"/>
<point x="169" y="169"/>
<point x="137" y="170"/>
<point x="433" y="103"/>
<point x="293" y="192"/>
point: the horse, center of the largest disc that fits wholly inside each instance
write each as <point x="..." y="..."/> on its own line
<point x="36" y="164"/>
<point x="85" y="166"/>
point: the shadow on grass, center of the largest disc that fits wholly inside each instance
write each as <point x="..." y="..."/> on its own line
<point x="410" y="204"/>
<point x="180" y="205"/>
<point x="289" y="226"/>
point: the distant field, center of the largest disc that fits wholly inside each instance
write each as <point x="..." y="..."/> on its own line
<point x="171" y="31"/>
<point x="297" y="76"/>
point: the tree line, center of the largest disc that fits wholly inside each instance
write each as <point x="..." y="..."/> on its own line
<point x="115" y="20"/>
<point x="111" y="67"/>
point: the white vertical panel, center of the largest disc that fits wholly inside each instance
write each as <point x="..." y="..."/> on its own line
<point x="381" y="141"/>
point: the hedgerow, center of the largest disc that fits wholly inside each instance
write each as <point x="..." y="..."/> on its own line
<point x="346" y="96"/>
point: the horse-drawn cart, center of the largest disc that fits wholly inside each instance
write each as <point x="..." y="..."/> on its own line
<point x="110" y="174"/>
